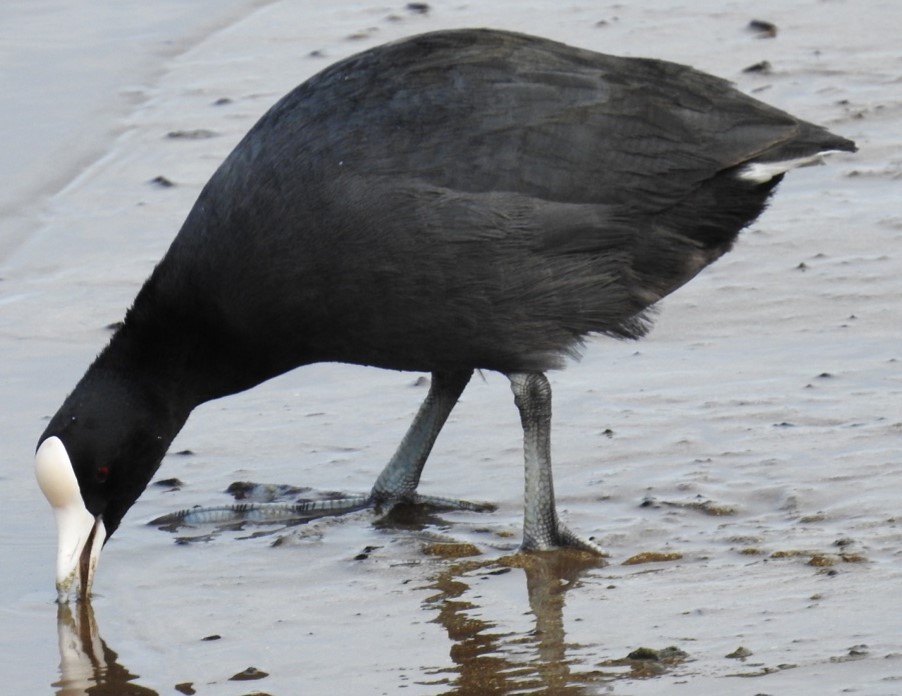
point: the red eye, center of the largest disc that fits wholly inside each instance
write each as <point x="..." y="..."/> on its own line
<point x="102" y="473"/>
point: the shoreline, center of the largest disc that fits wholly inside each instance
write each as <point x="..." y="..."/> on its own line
<point x="73" y="119"/>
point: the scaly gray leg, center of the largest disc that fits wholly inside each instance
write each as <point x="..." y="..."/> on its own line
<point x="400" y="477"/>
<point x="541" y="528"/>
<point x="396" y="484"/>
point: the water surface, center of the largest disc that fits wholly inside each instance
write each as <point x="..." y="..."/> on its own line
<point x="748" y="450"/>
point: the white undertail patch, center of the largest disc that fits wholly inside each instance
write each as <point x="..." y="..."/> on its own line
<point x="761" y="172"/>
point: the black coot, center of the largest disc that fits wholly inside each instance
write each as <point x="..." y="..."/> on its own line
<point x="455" y="201"/>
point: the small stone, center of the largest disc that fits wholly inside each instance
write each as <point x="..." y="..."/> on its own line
<point x="196" y="134"/>
<point x="644" y="654"/>
<point x="249" y="674"/>
<point x="764" y="30"/>
<point x="170" y="483"/>
<point x="762" y="68"/>
<point x="652" y="557"/>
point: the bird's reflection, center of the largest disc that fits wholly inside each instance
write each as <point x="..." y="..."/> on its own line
<point x="87" y="666"/>
<point x="487" y="661"/>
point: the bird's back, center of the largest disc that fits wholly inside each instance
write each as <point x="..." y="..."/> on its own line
<point x="472" y="199"/>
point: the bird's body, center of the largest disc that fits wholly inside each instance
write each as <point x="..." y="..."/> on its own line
<point x="460" y="200"/>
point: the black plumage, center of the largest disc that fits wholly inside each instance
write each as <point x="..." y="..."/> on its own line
<point x="459" y="200"/>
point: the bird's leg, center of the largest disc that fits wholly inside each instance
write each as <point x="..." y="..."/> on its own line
<point x="400" y="477"/>
<point x="541" y="528"/>
<point x="396" y="484"/>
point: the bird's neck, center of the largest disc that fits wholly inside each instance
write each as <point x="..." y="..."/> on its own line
<point x="170" y="372"/>
<point x="182" y="348"/>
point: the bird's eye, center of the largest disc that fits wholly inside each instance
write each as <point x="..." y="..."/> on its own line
<point x="102" y="473"/>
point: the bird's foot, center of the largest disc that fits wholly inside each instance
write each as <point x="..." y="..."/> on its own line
<point x="386" y="501"/>
<point x="556" y="537"/>
<point x="306" y="510"/>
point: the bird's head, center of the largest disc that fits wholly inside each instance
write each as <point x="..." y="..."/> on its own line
<point x="92" y="463"/>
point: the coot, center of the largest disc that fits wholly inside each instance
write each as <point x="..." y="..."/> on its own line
<point x="459" y="200"/>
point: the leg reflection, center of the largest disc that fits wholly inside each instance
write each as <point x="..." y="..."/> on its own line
<point x="487" y="659"/>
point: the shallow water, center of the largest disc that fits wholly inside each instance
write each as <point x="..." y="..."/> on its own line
<point x="749" y="448"/>
<point x="70" y="72"/>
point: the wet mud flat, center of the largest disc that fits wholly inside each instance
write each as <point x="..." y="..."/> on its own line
<point x="741" y="465"/>
<point x="446" y="594"/>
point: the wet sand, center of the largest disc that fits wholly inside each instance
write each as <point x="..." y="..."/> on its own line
<point x="748" y="450"/>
